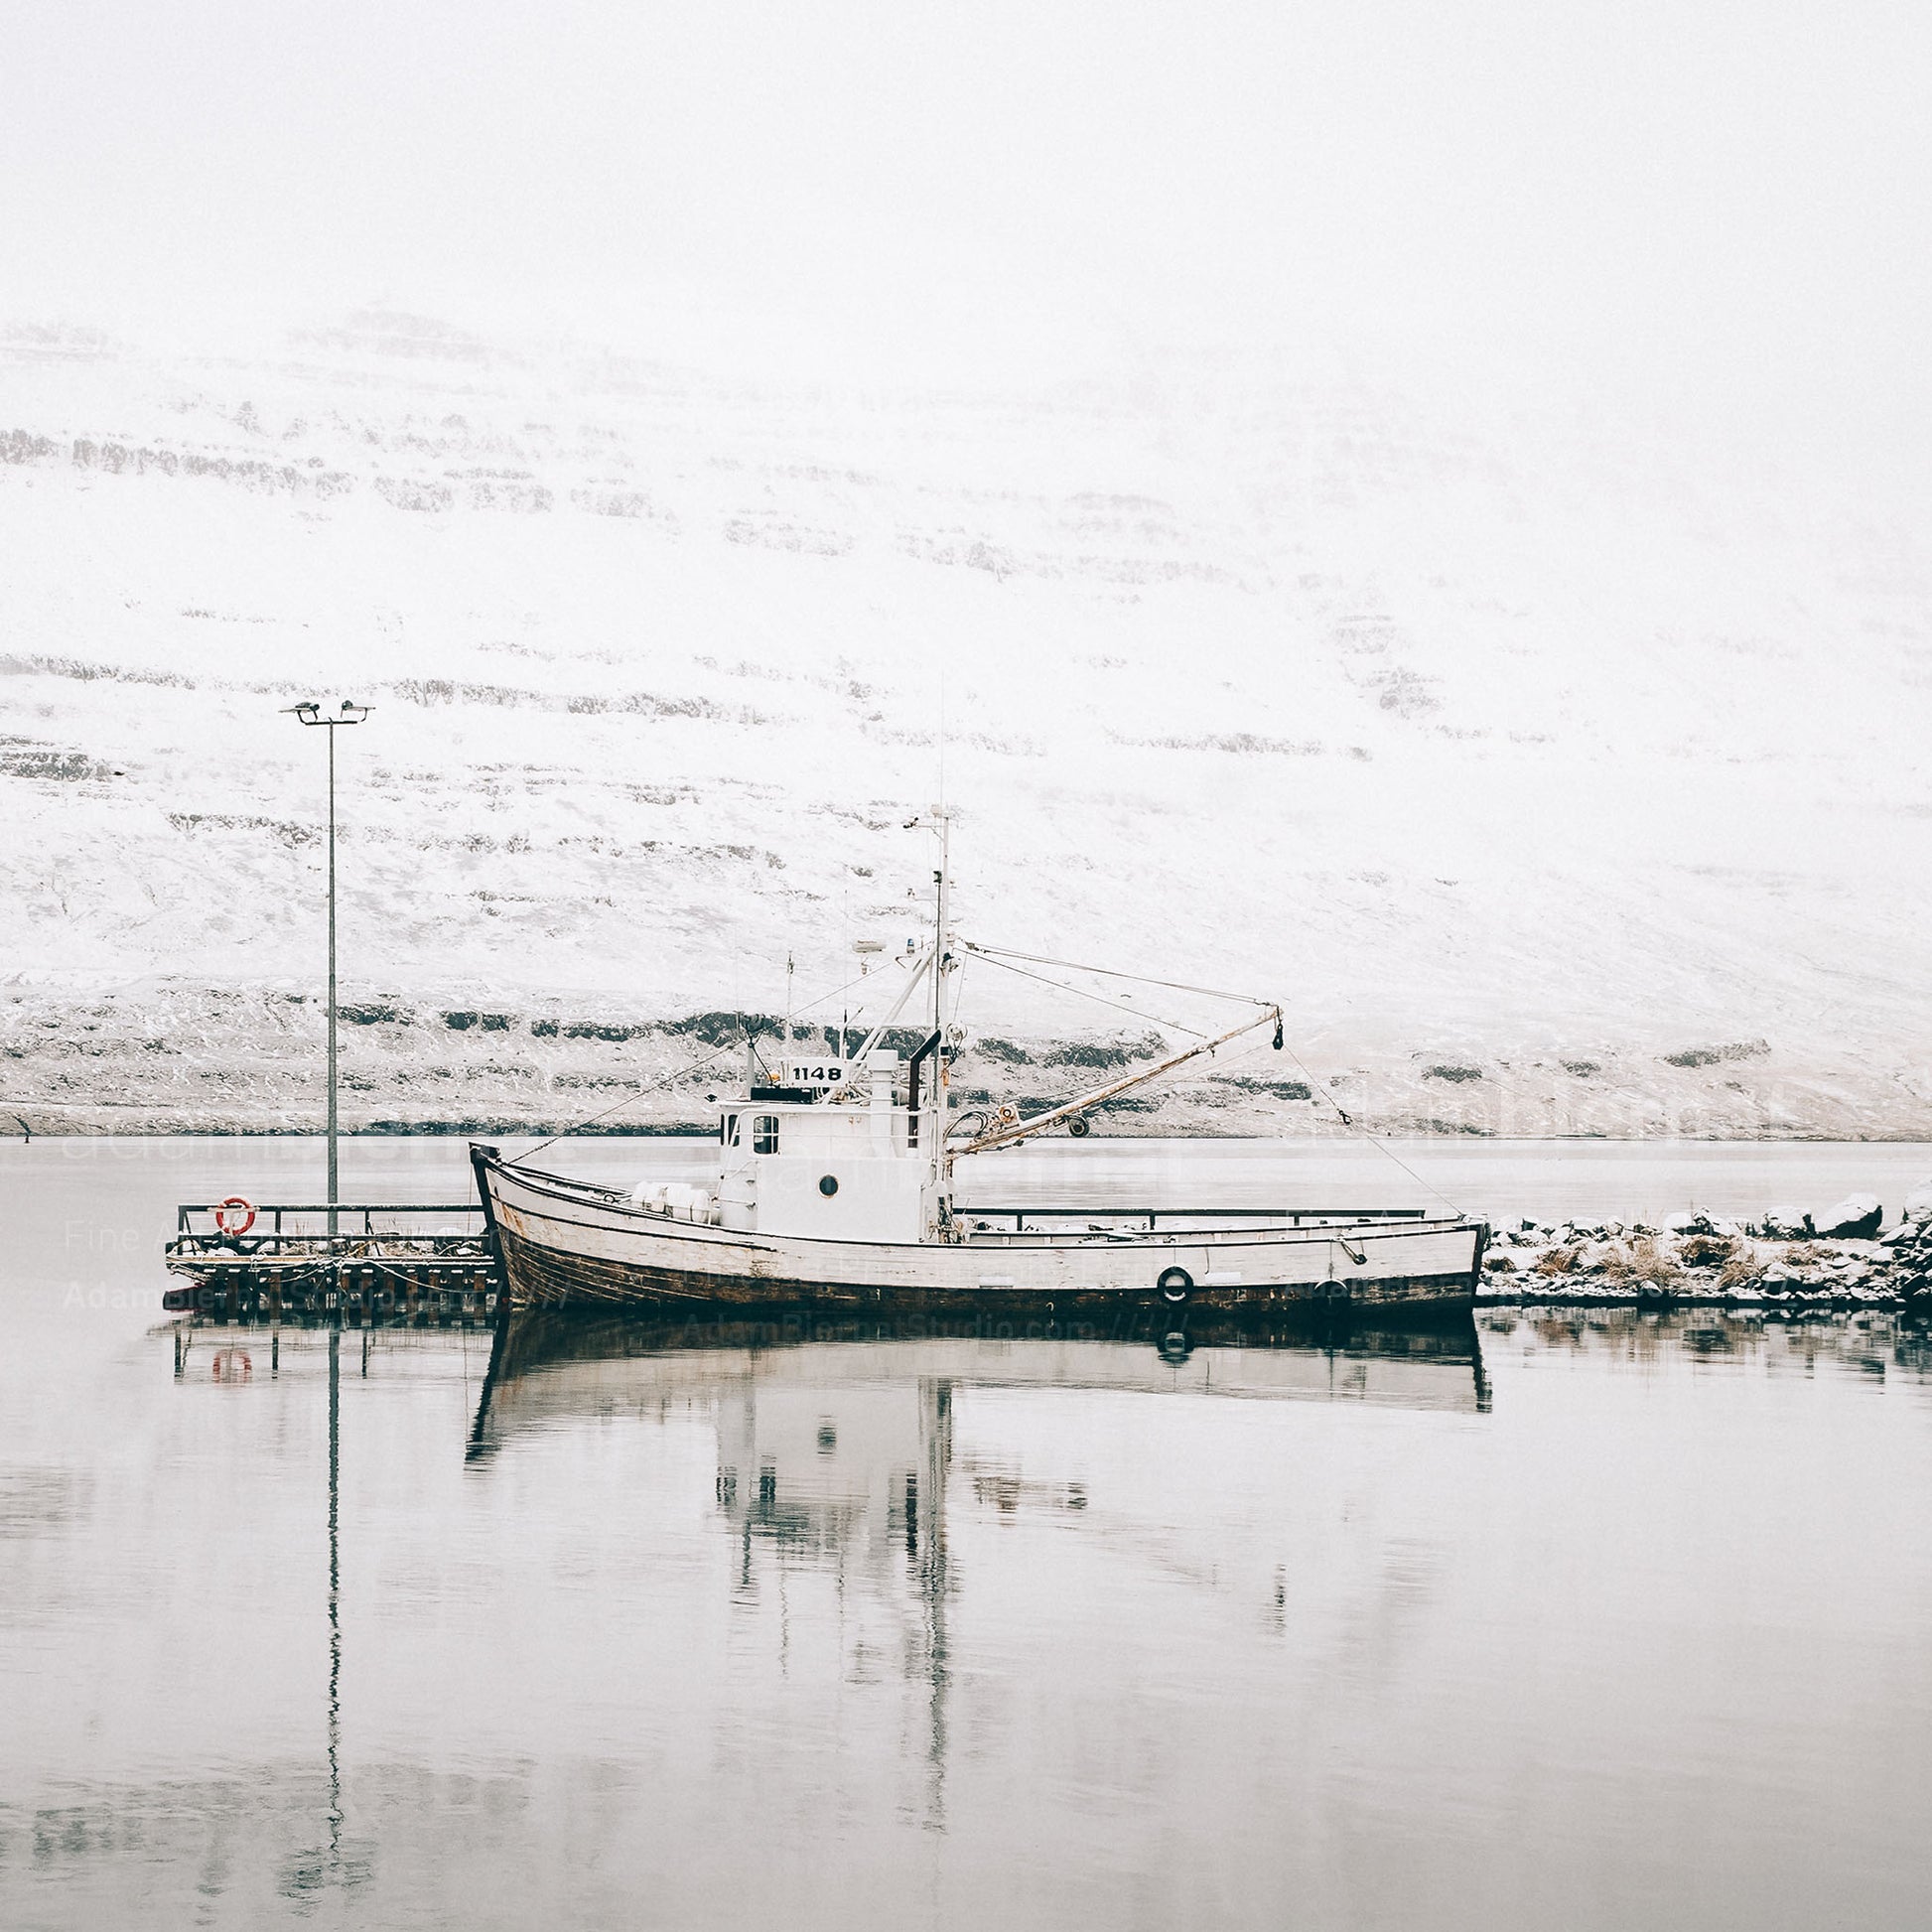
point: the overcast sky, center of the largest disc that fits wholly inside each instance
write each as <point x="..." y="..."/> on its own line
<point x="1695" y="193"/>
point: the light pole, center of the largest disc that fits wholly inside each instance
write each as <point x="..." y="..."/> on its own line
<point x="311" y="713"/>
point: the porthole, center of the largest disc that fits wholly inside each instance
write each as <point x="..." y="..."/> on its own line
<point x="828" y="1184"/>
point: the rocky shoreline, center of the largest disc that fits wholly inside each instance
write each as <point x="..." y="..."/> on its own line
<point x="175" y="1054"/>
<point x="1858" y="1259"/>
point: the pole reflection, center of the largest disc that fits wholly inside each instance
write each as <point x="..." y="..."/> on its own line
<point x="336" y="1592"/>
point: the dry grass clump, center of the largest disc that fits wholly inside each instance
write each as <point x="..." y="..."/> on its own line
<point x="1703" y="1250"/>
<point x="1740" y="1271"/>
<point x="1559" y="1261"/>
<point x="1642" y="1261"/>
<point x="1651" y="1263"/>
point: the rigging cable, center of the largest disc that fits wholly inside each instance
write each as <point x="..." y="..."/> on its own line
<point x="1113" y="973"/>
<point x="653" y="1086"/>
<point x="999" y="956"/>
<point x="1363" y="1133"/>
<point x="996" y="959"/>
<point x="682" y="1073"/>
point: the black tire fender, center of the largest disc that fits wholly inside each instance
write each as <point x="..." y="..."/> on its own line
<point x="1176" y="1285"/>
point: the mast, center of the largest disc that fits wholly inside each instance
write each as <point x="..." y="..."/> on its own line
<point x="941" y="966"/>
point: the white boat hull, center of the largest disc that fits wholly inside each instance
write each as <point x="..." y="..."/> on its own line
<point x="564" y="1242"/>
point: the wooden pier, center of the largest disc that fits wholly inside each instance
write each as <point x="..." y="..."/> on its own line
<point x="409" y="1264"/>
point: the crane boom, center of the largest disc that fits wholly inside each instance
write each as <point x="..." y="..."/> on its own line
<point x="1024" y="1130"/>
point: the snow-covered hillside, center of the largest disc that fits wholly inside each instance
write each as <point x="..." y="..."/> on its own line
<point x="1558" y="776"/>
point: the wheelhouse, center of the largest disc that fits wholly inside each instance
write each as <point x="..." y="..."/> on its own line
<point x="828" y="1151"/>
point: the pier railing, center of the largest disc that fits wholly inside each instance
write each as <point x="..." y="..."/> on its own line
<point x="391" y="1262"/>
<point x="303" y="1226"/>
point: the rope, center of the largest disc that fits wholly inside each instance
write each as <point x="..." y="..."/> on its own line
<point x="1362" y="1134"/>
<point x="654" y="1086"/>
<point x="1453" y="1206"/>
<point x="1109" y="972"/>
<point x="1079" y="992"/>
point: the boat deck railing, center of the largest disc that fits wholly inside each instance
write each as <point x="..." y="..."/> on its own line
<point x="1153" y="1220"/>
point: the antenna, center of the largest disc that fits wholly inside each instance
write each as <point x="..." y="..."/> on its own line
<point x="943" y="731"/>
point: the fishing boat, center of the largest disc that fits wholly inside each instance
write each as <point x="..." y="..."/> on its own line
<point x="835" y="1186"/>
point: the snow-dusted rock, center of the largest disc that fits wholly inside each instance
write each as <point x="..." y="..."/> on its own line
<point x="1855" y="1218"/>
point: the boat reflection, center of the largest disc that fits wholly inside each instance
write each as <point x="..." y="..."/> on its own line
<point x="873" y="1455"/>
<point x="835" y="1438"/>
<point x="549" y="1365"/>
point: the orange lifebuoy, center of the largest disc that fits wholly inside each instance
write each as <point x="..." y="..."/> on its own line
<point x="245" y="1209"/>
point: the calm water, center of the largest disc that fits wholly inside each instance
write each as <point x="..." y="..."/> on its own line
<point x="1604" y="1620"/>
<point x="1551" y="1180"/>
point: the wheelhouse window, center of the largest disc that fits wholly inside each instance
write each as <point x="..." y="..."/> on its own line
<point x="764" y="1132"/>
<point x="727" y="1125"/>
